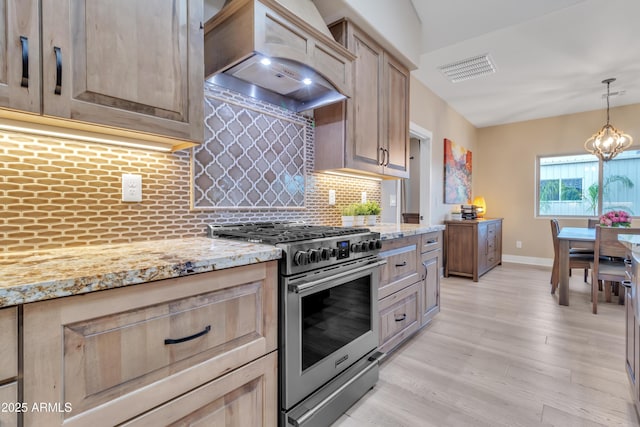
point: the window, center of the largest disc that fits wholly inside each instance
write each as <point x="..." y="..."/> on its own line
<point x="569" y="185"/>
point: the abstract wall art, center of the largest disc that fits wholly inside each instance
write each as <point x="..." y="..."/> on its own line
<point x="457" y="173"/>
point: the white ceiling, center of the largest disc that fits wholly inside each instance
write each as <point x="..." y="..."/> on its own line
<point x="550" y="55"/>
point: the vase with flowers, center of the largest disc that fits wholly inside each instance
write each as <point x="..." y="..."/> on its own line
<point x="615" y="219"/>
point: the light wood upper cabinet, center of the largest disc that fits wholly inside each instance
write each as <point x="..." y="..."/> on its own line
<point x="396" y="117"/>
<point x="365" y="123"/>
<point x="370" y="131"/>
<point x="137" y="65"/>
<point x="118" y="64"/>
<point x="20" y="55"/>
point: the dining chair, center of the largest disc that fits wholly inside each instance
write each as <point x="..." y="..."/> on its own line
<point x="592" y="222"/>
<point x="576" y="259"/>
<point x="608" y="261"/>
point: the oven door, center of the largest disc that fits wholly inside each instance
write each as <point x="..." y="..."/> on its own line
<point x="330" y="322"/>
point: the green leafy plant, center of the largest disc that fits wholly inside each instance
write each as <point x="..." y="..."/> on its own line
<point x="362" y="209"/>
<point x="592" y="192"/>
<point x="373" y="208"/>
<point x="349" y="210"/>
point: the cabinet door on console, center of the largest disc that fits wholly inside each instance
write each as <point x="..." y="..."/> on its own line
<point x="128" y="64"/>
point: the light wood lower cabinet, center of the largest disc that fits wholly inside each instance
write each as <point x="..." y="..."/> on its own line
<point x="11" y="407"/>
<point x="409" y="290"/>
<point x="8" y="343"/>
<point x="399" y="317"/>
<point x="244" y="397"/>
<point x="108" y="357"/>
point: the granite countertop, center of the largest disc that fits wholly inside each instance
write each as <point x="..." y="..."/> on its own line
<point x="631" y="241"/>
<point x="39" y="275"/>
<point x="394" y="231"/>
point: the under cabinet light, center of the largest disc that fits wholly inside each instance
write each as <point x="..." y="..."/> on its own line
<point x="78" y="135"/>
<point x="353" y="175"/>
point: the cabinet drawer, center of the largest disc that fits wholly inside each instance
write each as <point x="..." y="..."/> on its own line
<point x="245" y="397"/>
<point x="399" y="316"/>
<point x="9" y="397"/>
<point x="107" y="352"/>
<point x="8" y="343"/>
<point x="431" y="241"/>
<point x="401" y="269"/>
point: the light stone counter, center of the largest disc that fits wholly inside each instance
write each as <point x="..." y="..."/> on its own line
<point x="631" y="241"/>
<point x="40" y="275"/>
<point x="394" y="231"/>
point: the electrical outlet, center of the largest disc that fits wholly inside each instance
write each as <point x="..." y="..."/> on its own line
<point x="131" y="188"/>
<point x="363" y="197"/>
<point x="518" y="244"/>
<point x="332" y="197"/>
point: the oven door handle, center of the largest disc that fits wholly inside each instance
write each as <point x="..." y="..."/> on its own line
<point x="304" y="287"/>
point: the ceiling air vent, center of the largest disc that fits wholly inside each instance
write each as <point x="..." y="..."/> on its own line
<point x="469" y="68"/>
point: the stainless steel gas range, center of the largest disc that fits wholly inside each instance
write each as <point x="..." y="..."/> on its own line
<point x="328" y="315"/>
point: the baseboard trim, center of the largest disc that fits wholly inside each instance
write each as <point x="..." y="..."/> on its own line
<point x="545" y="262"/>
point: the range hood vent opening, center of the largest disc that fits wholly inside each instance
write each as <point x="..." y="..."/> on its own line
<point x="282" y="59"/>
<point x="279" y="81"/>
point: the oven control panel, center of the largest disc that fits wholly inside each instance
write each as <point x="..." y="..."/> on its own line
<point x="343" y="250"/>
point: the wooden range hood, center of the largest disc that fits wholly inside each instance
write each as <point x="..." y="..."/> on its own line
<point x="307" y="68"/>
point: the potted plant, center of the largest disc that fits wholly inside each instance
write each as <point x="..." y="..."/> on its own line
<point x="348" y="215"/>
<point x="373" y="210"/>
<point x="362" y="211"/>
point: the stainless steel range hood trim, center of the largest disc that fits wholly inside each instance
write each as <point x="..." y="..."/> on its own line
<point x="253" y="91"/>
<point x="244" y="29"/>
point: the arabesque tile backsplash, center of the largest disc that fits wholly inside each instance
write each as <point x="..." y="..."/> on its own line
<point x="58" y="193"/>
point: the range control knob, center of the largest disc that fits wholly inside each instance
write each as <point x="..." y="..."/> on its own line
<point x="301" y="258"/>
<point x="355" y="247"/>
<point x="325" y="254"/>
<point x="314" y="255"/>
<point x="378" y="244"/>
<point x="372" y="245"/>
<point x="364" y="246"/>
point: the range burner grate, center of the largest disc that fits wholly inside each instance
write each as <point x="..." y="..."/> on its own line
<point x="280" y="232"/>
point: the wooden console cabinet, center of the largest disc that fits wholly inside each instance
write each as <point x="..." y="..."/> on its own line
<point x="472" y="247"/>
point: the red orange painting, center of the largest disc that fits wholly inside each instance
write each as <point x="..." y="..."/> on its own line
<point x="457" y="173"/>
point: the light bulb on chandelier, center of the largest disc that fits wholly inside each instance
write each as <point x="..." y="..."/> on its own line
<point x="608" y="142"/>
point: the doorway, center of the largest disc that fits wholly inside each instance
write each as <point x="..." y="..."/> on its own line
<point x="394" y="199"/>
<point x="415" y="191"/>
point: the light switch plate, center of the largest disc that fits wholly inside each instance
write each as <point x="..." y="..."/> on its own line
<point x="363" y="197"/>
<point x="131" y="188"/>
<point x="392" y="200"/>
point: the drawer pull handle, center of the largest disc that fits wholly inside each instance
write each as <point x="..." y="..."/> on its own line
<point x="626" y="283"/>
<point x="189" y="338"/>
<point x="58" y="53"/>
<point x="402" y="264"/>
<point x="431" y="242"/>
<point x="25" y="61"/>
<point x="401" y="318"/>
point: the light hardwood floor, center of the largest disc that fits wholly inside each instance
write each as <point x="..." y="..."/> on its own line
<point x="502" y="352"/>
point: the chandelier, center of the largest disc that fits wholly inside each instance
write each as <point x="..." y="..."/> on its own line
<point x="608" y="142"/>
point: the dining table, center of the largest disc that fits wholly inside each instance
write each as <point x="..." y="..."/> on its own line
<point x="571" y="237"/>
